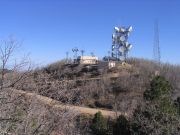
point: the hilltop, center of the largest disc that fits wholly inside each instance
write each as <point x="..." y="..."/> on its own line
<point x="119" y="89"/>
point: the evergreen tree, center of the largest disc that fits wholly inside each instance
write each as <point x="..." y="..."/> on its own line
<point x="158" y="115"/>
<point x="99" y="124"/>
<point x="122" y="126"/>
<point x="159" y="89"/>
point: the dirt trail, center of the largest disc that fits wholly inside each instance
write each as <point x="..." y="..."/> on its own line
<point x="81" y="110"/>
<point x="108" y="76"/>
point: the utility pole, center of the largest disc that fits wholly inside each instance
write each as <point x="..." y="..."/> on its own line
<point x="75" y="51"/>
<point x="67" y="57"/>
<point x="92" y="54"/>
<point x="109" y="55"/>
<point x="156" y="48"/>
<point x="82" y="52"/>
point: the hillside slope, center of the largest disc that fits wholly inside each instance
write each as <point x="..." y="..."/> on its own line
<point x="119" y="88"/>
<point x="79" y="109"/>
<point x="49" y="99"/>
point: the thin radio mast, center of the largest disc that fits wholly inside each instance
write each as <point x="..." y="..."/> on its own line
<point x="156" y="48"/>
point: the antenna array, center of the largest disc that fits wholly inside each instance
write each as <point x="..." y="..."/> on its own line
<point x="120" y="45"/>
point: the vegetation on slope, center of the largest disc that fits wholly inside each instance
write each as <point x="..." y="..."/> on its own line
<point x="138" y="90"/>
<point x="157" y="115"/>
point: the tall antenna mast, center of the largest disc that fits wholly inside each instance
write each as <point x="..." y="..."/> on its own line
<point x="82" y="52"/>
<point x="156" y="49"/>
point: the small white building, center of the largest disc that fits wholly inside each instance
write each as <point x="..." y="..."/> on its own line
<point x="111" y="64"/>
<point x="87" y="60"/>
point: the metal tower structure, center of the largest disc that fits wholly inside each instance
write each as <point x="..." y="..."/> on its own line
<point x="120" y="45"/>
<point x="75" y="51"/>
<point x="156" y="48"/>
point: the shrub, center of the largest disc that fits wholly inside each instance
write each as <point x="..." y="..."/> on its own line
<point x="159" y="115"/>
<point x="160" y="88"/>
<point x="99" y="125"/>
<point x="160" y="92"/>
<point x="122" y="126"/>
<point x="150" y="120"/>
<point x="177" y="105"/>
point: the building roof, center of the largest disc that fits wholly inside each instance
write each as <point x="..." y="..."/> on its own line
<point x="88" y="57"/>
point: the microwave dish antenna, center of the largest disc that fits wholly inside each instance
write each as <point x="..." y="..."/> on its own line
<point x="120" y="45"/>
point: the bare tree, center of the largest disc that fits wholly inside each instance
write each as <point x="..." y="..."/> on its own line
<point x="19" y="113"/>
<point x="9" y="66"/>
<point x="10" y="76"/>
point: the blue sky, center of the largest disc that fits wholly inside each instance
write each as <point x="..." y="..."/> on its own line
<point x="50" y="28"/>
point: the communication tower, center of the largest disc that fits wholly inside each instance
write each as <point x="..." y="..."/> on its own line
<point x="120" y="45"/>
